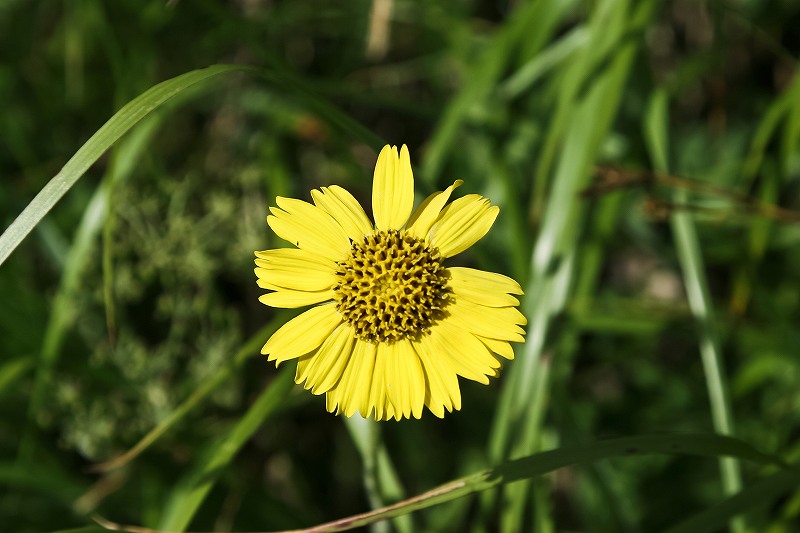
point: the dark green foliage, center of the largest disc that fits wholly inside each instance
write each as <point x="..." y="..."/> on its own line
<point x="594" y="127"/>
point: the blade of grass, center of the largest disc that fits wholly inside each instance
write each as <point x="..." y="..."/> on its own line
<point x="189" y="493"/>
<point x="380" y="478"/>
<point x="122" y="121"/>
<point x="546" y="60"/>
<point x="604" y="31"/>
<point x="691" y="261"/>
<point x="532" y="24"/>
<point x="547" y="290"/>
<point x="703" y="445"/>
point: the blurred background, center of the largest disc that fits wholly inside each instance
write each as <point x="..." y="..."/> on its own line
<point x="635" y="149"/>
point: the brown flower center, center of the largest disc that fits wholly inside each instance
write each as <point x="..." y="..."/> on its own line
<point x="391" y="287"/>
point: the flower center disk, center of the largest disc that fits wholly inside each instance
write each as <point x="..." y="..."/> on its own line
<point x="391" y="287"/>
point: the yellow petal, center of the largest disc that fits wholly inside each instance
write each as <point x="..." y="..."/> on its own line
<point x="501" y="348"/>
<point x="488" y="280"/>
<point x="467" y="356"/>
<point x="352" y="392"/>
<point x="405" y="380"/>
<point x="288" y="298"/>
<point x="462" y="224"/>
<point x="308" y="227"/>
<point x="480" y="295"/>
<point x="327" y="364"/>
<point x="377" y="394"/>
<point x="302" y="334"/>
<point x="330" y="404"/>
<point x="269" y="278"/>
<point x="392" y="188"/>
<point x="292" y="268"/>
<point x="345" y="209"/>
<point x="443" y="390"/>
<point x="492" y="322"/>
<point x="426" y="214"/>
<point x="362" y="394"/>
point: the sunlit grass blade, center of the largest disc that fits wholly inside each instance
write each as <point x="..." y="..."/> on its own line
<point x="381" y="482"/>
<point x="696" y="284"/>
<point x="197" y="398"/>
<point x="555" y="249"/>
<point x="122" y="121"/>
<point x="547" y="59"/>
<point x="703" y="445"/>
<point x="531" y="24"/>
<point x="761" y="493"/>
<point x="189" y="492"/>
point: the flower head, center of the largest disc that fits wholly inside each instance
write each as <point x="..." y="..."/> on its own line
<point x="392" y="327"/>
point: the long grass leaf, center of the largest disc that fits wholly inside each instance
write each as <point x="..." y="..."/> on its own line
<point x="531" y="24"/>
<point x="691" y="260"/>
<point x="122" y="121"/>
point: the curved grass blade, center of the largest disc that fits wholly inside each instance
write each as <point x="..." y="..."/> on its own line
<point x="703" y="445"/>
<point x="122" y="121"/>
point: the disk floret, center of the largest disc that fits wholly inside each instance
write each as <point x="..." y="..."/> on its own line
<point x="391" y="286"/>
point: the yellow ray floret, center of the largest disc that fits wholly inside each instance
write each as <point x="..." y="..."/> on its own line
<point x="392" y="327"/>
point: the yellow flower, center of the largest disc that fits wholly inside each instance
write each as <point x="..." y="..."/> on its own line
<point x="393" y="327"/>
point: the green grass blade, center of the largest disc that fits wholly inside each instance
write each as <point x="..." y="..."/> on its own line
<point x="549" y="58"/>
<point x="122" y="121"/>
<point x="691" y="260"/>
<point x="759" y="494"/>
<point x="190" y="492"/>
<point x="381" y="482"/>
<point x="531" y="24"/>
<point x="546" y="291"/>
